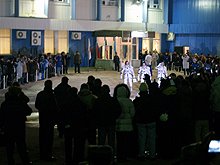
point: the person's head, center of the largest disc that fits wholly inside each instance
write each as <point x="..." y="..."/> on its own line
<point x="143" y="88"/>
<point x="73" y="91"/>
<point x="84" y="86"/>
<point x="48" y="84"/>
<point x="90" y="79"/>
<point x="14" y="91"/>
<point x="16" y="84"/>
<point x="115" y="94"/>
<point x="98" y="82"/>
<point x="65" y="80"/>
<point x="105" y="90"/>
<point x="126" y="63"/>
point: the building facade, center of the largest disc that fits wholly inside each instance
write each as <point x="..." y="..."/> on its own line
<point x="99" y="28"/>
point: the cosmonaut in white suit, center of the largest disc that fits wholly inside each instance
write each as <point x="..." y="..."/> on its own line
<point x="144" y="69"/>
<point x="161" y="72"/>
<point x="127" y="74"/>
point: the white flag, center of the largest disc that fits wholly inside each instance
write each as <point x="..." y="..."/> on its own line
<point x="89" y="50"/>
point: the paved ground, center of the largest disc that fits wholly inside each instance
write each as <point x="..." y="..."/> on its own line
<point x="111" y="78"/>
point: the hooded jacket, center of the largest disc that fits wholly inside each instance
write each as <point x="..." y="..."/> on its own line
<point x="125" y="121"/>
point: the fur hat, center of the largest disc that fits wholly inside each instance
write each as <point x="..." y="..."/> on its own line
<point x="143" y="87"/>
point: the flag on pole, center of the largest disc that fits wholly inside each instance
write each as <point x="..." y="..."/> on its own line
<point x="89" y="50"/>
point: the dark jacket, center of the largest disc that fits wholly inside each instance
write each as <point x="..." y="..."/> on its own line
<point x="13" y="114"/>
<point x="47" y="106"/>
<point x="144" y="112"/>
<point x="74" y="114"/>
<point x="106" y="109"/>
<point x="77" y="59"/>
<point x="60" y="92"/>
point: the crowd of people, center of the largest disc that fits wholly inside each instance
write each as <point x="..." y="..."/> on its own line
<point x="152" y="125"/>
<point x="26" y="68"/>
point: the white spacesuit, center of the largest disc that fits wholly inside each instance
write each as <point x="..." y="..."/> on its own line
<point x="161" y="72"/>
<point x="127" y="74"/>
<point x="142" y="71"/>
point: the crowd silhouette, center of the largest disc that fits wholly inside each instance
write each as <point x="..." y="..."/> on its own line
<point x="153" y="125"/>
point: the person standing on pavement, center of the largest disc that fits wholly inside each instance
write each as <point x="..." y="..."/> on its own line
<point x="77" y="61"/>
<point x="116" y="61"/>
<point x="124" y="124"/>
<point x="60" y="93"/>
<point x="73" y="117"/>
<point x="106" y="110"/>
<point x="148" y="62"/>
<point x="88" y="100"/>
<point x="13" y="114"/>
<point x="127" y="73"/>
<point x="145" y="120"/>
<point x="47" y="107"/>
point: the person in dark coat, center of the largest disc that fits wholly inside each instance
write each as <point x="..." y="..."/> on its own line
<point x="47" y="108"/>
<point x="21" y="95"/>
<point x="60" y="92"/>
<point x="167" y="146"/>
<point x="106" y="110"/>
<point x="145" y="119"/>
<point x="88" y="100"/>
<point x="77" y="61"/>
<point x="90" y="82"/>
<point x="116" y="61"/>
<point x="73" y="117"/>
<point x="13" y="114"/>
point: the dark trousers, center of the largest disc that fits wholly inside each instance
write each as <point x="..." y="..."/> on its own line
<point x="46" y="133"/>
<point x="91" y="136"/>
<point x="123" y="144"/>
<point x="20" y="143"/>
<point x="106" y="133"/>
<point x="117" y="67"/>
<point x="74" y="146"/>
<point x="65" y="69"/>
<point x="77" y="68"/>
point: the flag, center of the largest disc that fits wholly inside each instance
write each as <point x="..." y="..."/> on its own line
<point x="89" y="50"/>
<point x="106" y="48"/>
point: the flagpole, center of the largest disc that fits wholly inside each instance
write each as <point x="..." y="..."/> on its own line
<point x="89" y="54"/>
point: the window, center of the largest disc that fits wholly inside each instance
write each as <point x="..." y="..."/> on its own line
<point x="64" y="1"/>
<point x="33" y="8"/>
<point x="5" y="44"/>
<point x="62" y="41"/>
<point x="154" y="4"/>
<point x="48" y="41"/>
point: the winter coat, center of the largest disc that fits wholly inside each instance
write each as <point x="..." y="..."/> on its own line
<point x="125" y="121"/>
<point x="47" y="107"/>
<point x="144" y="112"/>
<point x="107" y="109"/>
<point x="88" y="100"/>
<point x="215" y="95"/>
<point x="77" y="58"/>
<point x="74" y="115"/>
<point x="185" y="62"/>
<point x="13" y="114"/>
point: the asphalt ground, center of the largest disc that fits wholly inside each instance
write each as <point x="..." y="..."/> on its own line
<point x="111" y="78"/>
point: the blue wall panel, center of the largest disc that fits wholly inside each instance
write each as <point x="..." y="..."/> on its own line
<point x="82" y="46"/>
<point x="198" y="43"/>
<point x="195" y="11"/>
<point x="24" y="47"/>
<point x="195" y="24"/>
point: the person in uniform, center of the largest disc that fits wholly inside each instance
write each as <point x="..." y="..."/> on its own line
<point x="142" y="71"/>
<point x="127" y="73"/>
<point x="161" y="72"/>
